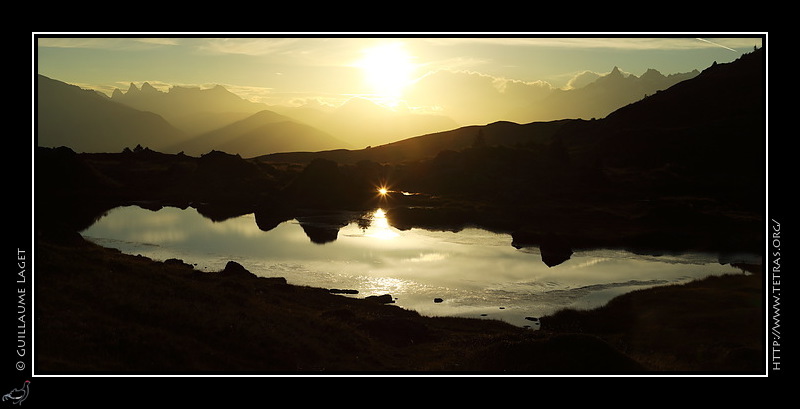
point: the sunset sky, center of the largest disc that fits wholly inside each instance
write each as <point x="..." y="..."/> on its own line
<point x="400" y="70"/>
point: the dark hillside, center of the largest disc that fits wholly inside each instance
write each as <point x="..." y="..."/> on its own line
<point x="729" y="91"/>
<point x="719" y="113"/>
<point x="72" y="188"/>
<point x="686" y="165"/>
<point x="427" y="146"/>
<point x="702" y="137"/>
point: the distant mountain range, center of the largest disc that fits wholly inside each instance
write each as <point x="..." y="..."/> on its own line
<point x="362" y="123"/>
<point x="681" y="168"/>
<point x="600" y="97"/>
<point x="193" y="110"/>
<point x="206" y="113"/>
<point x="87" y="121"/>
<point x="714" y="120"/>
<point x="264" y="131"/>
<point x="197" y="121"/>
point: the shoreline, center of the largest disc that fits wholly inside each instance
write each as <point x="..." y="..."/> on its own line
<point x="259" y="325"/>
<point x="512" y="307"/>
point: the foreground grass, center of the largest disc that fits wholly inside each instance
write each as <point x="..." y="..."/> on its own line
<point x="100" y="311"/>
<point x="715" y="324"/>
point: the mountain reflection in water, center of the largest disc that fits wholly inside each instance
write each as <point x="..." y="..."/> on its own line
<point x="474" y="272"/>
<point x="379" y="227"/>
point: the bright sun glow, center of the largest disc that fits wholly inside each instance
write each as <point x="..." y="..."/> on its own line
<point x="380" y="227"/>
<point x="387" y="69"/>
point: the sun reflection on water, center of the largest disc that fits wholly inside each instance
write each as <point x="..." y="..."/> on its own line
<point x="379" y="227"/>
<point x="383" y="285"/>
<point x="475" y="272"/>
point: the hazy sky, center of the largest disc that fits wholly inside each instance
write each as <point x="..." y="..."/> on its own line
<point x="292" y="68"/>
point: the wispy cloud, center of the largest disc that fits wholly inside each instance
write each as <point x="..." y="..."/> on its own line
<point x="125" y="43"/>
<point x="271" y="45"/>
<point x="247" y="46"/>
<point x="716" y="44"/>
<point x="632" y="42"/>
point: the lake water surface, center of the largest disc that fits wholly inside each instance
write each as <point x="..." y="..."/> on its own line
<point x="475" y="273"/>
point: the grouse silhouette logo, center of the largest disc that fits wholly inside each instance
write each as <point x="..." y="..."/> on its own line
<point x="18" y="395"/>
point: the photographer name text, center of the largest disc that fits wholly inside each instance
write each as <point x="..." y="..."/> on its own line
<point x="21" y="294"/>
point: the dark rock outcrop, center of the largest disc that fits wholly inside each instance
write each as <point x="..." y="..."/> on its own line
<point x="342" y="291"/>
<point x="383" y="299"/>
<point x="236" y="270"/>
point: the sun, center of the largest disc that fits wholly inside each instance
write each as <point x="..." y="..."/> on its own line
<point x="387" y="69"/>
<point x="383" y="192"/>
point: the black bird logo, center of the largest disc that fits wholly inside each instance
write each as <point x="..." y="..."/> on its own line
<point x="18" y="394"/>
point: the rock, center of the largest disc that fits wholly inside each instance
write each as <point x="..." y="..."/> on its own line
<point x="383" y="299"/>
<point x="437" y="300"/>
<point x="177" y="262"/>
<point x="339" y="291"/>
<point x="236" y="270"/>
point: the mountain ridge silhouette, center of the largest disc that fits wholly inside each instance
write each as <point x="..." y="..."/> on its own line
<point x="600" y="97"/>
<point x="67" y="115"/>
<point x="202" y="108"/>
<point x="658" y="173"/>
<point x="361" y="122"/>
<point x="264" y="131"/>
<point x="191" y="109"/>
<point x="199" y="111"/>
<point x="713" y="101"/>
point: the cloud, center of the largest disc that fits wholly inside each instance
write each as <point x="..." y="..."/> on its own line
<point x="614" y="41"/>
<point x="247" y="46"/>
<point x="582" y="79"/>
<point x="470" y="97"/>
<point x="110" y="43"/>
<point x="716" y="44"/>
